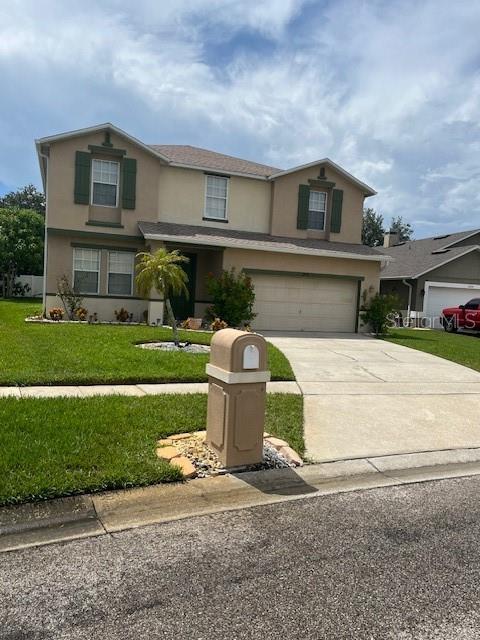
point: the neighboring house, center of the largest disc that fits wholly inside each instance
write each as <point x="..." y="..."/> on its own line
<point x="296" y="232"/>
<point x="432" y="273"/>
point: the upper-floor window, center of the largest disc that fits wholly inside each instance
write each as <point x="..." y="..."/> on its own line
<point x="317" y="206"/>
<point x="86" y="267"/>
<point x="105" y="181"/>
<point x="120" y="273"/>
<point x="216" y="197"/>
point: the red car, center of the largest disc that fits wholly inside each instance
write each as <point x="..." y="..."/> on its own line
<point x="465" y="316"/>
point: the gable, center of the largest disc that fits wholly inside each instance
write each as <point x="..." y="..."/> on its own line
<point x="287" y="194"/>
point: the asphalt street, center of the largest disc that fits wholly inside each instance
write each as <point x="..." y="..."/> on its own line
<point x="399" y="562"/>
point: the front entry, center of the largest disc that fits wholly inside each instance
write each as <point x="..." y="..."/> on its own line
<point x="182" y="306"/>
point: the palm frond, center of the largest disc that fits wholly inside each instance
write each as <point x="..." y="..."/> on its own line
<point x="161" y="271"/>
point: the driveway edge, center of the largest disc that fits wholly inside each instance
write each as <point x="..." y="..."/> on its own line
<point x="63" y="519"/>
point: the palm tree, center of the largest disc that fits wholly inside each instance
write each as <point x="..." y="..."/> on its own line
<point x="162" y="271"/>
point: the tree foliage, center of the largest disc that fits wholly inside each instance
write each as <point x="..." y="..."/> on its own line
<point x="404" y="229"/>
<point x="21" y="245"/>
<point x="27" y="197"/>
<point x="372" y="228"/>
<point x="162" y="271"/>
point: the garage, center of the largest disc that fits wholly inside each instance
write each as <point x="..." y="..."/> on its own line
<point x="439" y="295"/>
<point x="305" y="302"/>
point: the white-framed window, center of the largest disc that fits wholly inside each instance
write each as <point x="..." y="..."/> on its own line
<point x="216" y="192"/>
<point x="120" y="273"/>
<point x="317" y="206"/>
<point x="86" y="270"/>
<point x="105" y="181"/>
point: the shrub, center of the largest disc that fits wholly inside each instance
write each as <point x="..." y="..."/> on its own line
<point x="218" y="324"/>
<point x="378" y="312"/>
<point x="70" y="299"/>
<point x="233" y="298"/>
<point x="123" y="315"/>
<point x="56" y="314"/>
<point x="81" y="313"/>
<point x="20" y="289"/>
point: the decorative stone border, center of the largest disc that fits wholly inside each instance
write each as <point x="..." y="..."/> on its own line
<point x="166" y="345"/>
<point x="190" y="452"/>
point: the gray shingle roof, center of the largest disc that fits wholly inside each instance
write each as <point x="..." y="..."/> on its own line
<point x="419" y="256"/>
<point x="197" y="157"/>
<point x="246" y="239"/>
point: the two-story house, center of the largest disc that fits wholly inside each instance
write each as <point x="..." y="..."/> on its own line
<point x="297" y="232"/>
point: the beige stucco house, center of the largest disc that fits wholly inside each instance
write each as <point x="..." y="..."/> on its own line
<point x="297" y="232"/>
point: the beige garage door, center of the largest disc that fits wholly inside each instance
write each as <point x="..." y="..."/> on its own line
<point x="304" y="303"/>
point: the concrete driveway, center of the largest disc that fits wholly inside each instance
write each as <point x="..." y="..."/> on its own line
<point x="367" y="397"/>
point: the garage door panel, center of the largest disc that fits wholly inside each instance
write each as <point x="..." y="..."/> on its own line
<point x="296" y="303"/>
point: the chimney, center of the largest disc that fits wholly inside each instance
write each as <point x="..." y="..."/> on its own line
<point x="390" y="238"/>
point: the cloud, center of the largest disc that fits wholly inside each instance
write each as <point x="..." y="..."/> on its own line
<point x="389" y="90"/>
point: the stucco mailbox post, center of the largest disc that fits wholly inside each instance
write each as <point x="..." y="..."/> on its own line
<point x="237" y="377"/>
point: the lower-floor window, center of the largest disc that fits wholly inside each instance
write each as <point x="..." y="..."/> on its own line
<point x="120" y="272"/>
<point x="86" y="268"/>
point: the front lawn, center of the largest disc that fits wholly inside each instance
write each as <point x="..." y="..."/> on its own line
<point x="98" y="354"/>
<point x="457" y="347"/>
<point x="63" y="446"/>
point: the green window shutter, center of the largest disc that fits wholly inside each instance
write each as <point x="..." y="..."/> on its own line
<point x="129" y="181"/>
<point x="82" y="177"/>
<point x="336" y="219"/>
<point x="303" y="200"/>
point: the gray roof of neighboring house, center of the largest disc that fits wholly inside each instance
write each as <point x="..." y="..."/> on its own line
<point x="413" y="258"/>
<point x="248" y="240"/>
<point x="197" y="157"/>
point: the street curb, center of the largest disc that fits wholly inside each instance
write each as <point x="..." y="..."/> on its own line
<point x="63" y="519"/>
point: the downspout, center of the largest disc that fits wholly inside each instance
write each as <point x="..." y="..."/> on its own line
<point x="44" y="156"/>
<point x="410" y="288"/>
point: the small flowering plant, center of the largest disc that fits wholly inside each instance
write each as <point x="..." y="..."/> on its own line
<point x="56" y="313"/>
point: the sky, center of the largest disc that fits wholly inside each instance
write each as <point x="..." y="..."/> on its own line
<point x="388" y="89"/>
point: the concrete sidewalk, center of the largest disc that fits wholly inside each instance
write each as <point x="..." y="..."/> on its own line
<point x="35" y="524"/>
<point x="87" y="391"/>
<point x="369" y="397"/>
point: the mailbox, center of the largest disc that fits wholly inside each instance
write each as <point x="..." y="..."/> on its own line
<point x="237" y="377"/>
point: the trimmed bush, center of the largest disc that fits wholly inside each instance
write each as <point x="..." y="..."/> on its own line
<point x="233" y="298"/>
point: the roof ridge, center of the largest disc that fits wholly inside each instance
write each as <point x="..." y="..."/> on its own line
<point x="218" y="153"/>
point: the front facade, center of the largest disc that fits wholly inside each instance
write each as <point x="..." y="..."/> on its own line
<point x="296" y="232"/>
<point x="431" y="274"/>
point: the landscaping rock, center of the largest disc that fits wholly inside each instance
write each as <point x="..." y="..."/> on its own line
<point x="276" y="442"/>
<point x="167" y="453"/>
<point x="165" y="442"/>
<point x="291" y="456"/>
<point x="204" y="462"/>
<point x="185" y="465"/>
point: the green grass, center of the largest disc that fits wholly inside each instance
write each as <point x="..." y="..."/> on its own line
<point x="63" y="446"/>
<point x="463" y="349"/>
<point x="97" y="354"/>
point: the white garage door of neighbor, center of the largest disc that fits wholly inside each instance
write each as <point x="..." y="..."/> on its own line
<point x="296" y="303"/>
<point x="437" y="297"/>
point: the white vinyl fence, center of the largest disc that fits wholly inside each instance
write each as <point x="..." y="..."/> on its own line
<point x="34" y="282"/>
